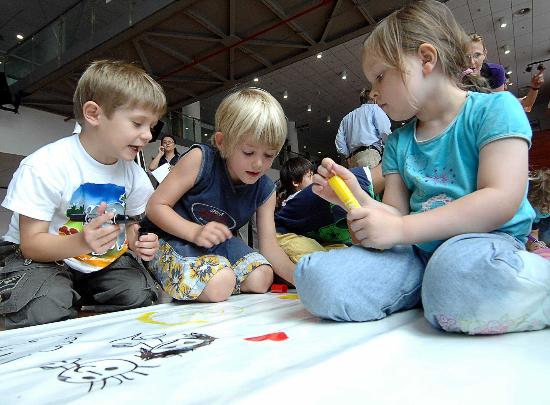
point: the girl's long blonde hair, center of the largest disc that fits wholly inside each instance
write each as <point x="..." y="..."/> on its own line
<point x="425" y="21"/>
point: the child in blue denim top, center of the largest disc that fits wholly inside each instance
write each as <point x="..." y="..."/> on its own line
<point x="454" y="217"/>
<point x="211" y="193"/>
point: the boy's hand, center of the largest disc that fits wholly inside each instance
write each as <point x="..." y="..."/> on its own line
<point x="145" y="245"/>
<point x="211" y="234"/>
<point x="376" y="227"/>
<point x="326" y="170"/>
<point x="100" y="234"/>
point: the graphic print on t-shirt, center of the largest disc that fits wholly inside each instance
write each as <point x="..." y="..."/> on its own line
<point x="86" y="200"/>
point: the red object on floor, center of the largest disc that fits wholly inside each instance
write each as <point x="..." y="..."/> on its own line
<point x="279" y="288"/>
<point x="276" y="336"/>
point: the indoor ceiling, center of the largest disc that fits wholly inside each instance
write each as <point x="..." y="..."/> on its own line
<point x="201" y="49"/>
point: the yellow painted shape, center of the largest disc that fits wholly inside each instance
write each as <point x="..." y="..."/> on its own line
<point x="289" y="297"/>
<point x="148" y="318"/>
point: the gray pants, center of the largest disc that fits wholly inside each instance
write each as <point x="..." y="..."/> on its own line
<point x="33" y="293"/>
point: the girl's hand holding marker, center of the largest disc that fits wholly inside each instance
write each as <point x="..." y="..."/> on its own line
<point x="343" y="192"/>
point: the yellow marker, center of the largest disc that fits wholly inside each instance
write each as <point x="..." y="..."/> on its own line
<point x="343" y="192"/>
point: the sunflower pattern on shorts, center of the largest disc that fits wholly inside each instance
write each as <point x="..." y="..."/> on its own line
<point x="246" y="265"/>
<point x="184" y="278"/>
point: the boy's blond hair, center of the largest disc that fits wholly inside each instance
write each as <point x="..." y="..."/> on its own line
<point x="115" y="84"/>
<point x="250" y="113"/>
<point x="426" y="21"/>
<point x="539" y="189"/>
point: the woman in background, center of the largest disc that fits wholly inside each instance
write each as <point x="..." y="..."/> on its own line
<point x="167" y="153"/>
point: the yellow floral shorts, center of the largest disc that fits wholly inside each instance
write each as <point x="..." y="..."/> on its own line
<point x="185" y="277"/>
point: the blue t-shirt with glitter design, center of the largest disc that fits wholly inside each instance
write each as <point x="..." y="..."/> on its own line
<point x="444" y="168"/>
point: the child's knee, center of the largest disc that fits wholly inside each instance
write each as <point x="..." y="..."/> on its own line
<point x="486" y="291"/>
<point x="319" y="291"/>
<point x="136" y="297"/>
<point x="219" y="287"/>
<point x="259" y="280"/>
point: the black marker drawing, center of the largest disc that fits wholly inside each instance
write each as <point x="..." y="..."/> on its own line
<point x="154" y="346"/>
<point x="98" y="372"/>
<point x="26" y="348"/>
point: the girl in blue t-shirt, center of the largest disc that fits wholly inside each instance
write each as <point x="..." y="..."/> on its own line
<point x="454" y="218"/>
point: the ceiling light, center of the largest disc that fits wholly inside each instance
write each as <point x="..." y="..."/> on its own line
<point x="510" y="84"/>
<point x="19" y="36"/>
<point x="328" y="118"/>
<point x="285" y="94"/>
<point x="205" y="134"/>
<point x="506" y="49"/>
<point x="309" y="107"/>
<point x="304" y="146"/>
<point x="186" y="128"/>
<point x="319" y="153"/>
<point x="319" y="55"/>
<point x="256" y="79"/>
<point x="509" y="72"/>
<point x="522" y="11"/>
<point x="344" y="75"/>
<point x="502" y="22"/>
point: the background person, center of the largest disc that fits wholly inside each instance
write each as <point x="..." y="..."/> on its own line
<point x="362" y="132"/>
<point x="167" y="153"/>
<point x="493" y="72"/>
<point x="305" y="222"/>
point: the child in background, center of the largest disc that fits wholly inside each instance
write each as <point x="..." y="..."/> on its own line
<point x="456" y="190"/>
<point x="306" y="223"/>
<point x="539" y="197"/>
<point x="295" y="174"/>
<point x="210" y="194"/>
<point x="62" y="263"/>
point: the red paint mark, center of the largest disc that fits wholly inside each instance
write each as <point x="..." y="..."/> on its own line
<point x="277" y="336"/>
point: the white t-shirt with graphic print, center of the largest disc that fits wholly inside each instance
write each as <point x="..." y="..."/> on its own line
<point x="61" y="178"/>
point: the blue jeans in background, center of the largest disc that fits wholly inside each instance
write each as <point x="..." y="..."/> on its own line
<point x="484" y="283"/>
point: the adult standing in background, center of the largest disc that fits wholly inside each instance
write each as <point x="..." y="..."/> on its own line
<point x="493" y="72"/>
<point x="167" y="153"/>
<point x="495" y="75"/>
<point x="362" y="133"/>
<point x="361" y="136"/>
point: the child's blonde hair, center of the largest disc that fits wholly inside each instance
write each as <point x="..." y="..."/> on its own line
<point x="114" y="84"/>
<point x="250" y="112"/>
<point x="539" y="189"/>
<point x="426" y="21"/>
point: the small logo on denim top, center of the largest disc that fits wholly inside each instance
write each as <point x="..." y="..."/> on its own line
<point x="205" y="213"/>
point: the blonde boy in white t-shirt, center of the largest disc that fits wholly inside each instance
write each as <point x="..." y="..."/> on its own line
<point x="70" y="200"/>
